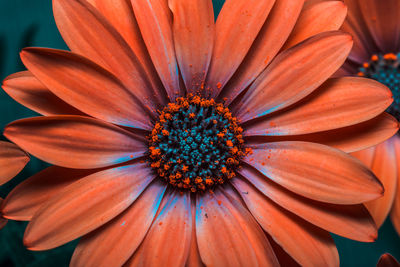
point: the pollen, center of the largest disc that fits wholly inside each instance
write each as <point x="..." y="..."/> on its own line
<point x="385" y="68"/>
<point x="196" y="144"/>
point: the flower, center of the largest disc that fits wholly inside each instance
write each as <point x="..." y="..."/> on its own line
<point x="179" y="141"/>
<point x="387" y="260"/>
<point x="12" y="161"/>
<point x="375" y="55"/>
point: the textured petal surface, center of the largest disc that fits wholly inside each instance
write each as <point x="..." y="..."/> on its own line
<point x="75" y="142"/>
<point x="85" y="205"/>
<point x="173" y="226"/>
<point x="116" y="241"/>
<point x="269" y="41"/>
<point x="350" y="221"/>
<point x="12" y="161"/>
<point x="316" y="18"/>
<point x="193" y="29"/>
<point x="382" y="20"/>
<point x="340" y="102"/>
<point x="387" y="260"/>
<point x="294" y="74"/>
<point x="3" y="221"/>
<point x="88" y="33"/>
<point x="348" y="139"/>
<point x="194" y="259"/>
<point x="238" y="25"/>
<point x="307" y="244"/>
<point x="28" y="91"/>
<point x="86" y="86"/>
<point x="30" y="195"/>
<point x="220" y="217"/>
<point x="155" y="22"/>
<point x="384" y="165"/>
<point x="316" y="171"/>
<point x="395" y="214"/>
<point x="120" y="14"/>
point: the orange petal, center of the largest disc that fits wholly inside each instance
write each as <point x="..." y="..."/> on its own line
<point x="30" y="195"/>
<point x="86" y="205"/>
<point x="172" y="226"/>
<point x="12" y="161"/>
<point x="238" y="25"/>
<point x="384" y="166"/>
<point x="387" y="260"/>
<point x="155" y="23"/>
<point x="3" y="221"/>
<point x="24" y="88"/>
<point x="316" y="171"/>
<point x="194" y="259"/>
<point x="88" y="33"/>
<point x="395" y="214"/>
<point x="86" y="86"/>
<point x="307" y="244"/>
<point x="279" y="85"/>
<point x="269" y="41"/>
<point x="340" y="102"/>
<point x="220" y="217"/>
<point x="348" y="139"/>
<point x="282" y="256"/>
<point x="75" y="141"/>
<point x="316" y="18"/>
<point x="115" y="242"/>
<point x="193" y="28"/>
<point x="382" y="20"/>
<point x="119" y="14"/>
<point x="350" y="221"/>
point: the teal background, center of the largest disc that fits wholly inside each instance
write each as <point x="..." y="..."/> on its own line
<point x="30" y="23"/>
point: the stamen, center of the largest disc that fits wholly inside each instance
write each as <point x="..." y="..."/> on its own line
<point x="196" y="144"/>
<point x="385" y="69"/>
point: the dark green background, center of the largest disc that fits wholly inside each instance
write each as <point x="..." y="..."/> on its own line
<point x="30" y="23"/>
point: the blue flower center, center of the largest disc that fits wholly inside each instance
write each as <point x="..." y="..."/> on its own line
<point x="385" y="69"/>
<point x="196" y="144"/>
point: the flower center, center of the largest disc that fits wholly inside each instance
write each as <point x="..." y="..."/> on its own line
<point x="385" y="69"/>
<point x="196" y="144"/>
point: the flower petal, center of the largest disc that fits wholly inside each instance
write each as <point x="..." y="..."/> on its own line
<point x="75" y="141"/>
<point x="269" y="41"/>
<point x="382" y="20"/>
<point x="238" y="25"/>
<point x="172" y="226"/>
<point x="115" y="242"/>
<point x="119" y="14"/>
<point x="350" y="221"/>
<point x="86" y="86"/>
<point x="155" y="23"/>
<point x="89" y="34"/>
<point x="24" y="88"/>
<point x="193" y="29"/>
<point x="384" y="166"/>
<point x="387" y="260"/>
<point x="316" y="18"/>
<point x="12" y="161"/>
<point x="307" y="244"/>
<point x="194" y="259"/>
<point x="86" y="205"/>
<point x="316" y="171"/>
<point x="348" y="139"/>
<point x="219" y="217"/>
<point x="30" y="195"/>
<point x="3" y="221"/>
<point x="340" y="102"/>
<point x="395" y="213"/>
<point x="294" y="74"/>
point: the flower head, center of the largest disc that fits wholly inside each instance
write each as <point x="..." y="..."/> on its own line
<point x="176" y="140"/>
<point x="375" y="27"/>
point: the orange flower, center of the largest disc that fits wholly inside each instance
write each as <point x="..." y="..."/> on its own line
<point x="387" y="260"/>
<point x="106" y="101"/>
<point x="374" y="25"/>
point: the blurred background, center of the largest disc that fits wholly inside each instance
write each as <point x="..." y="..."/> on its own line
<point x="26" y="23"/>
